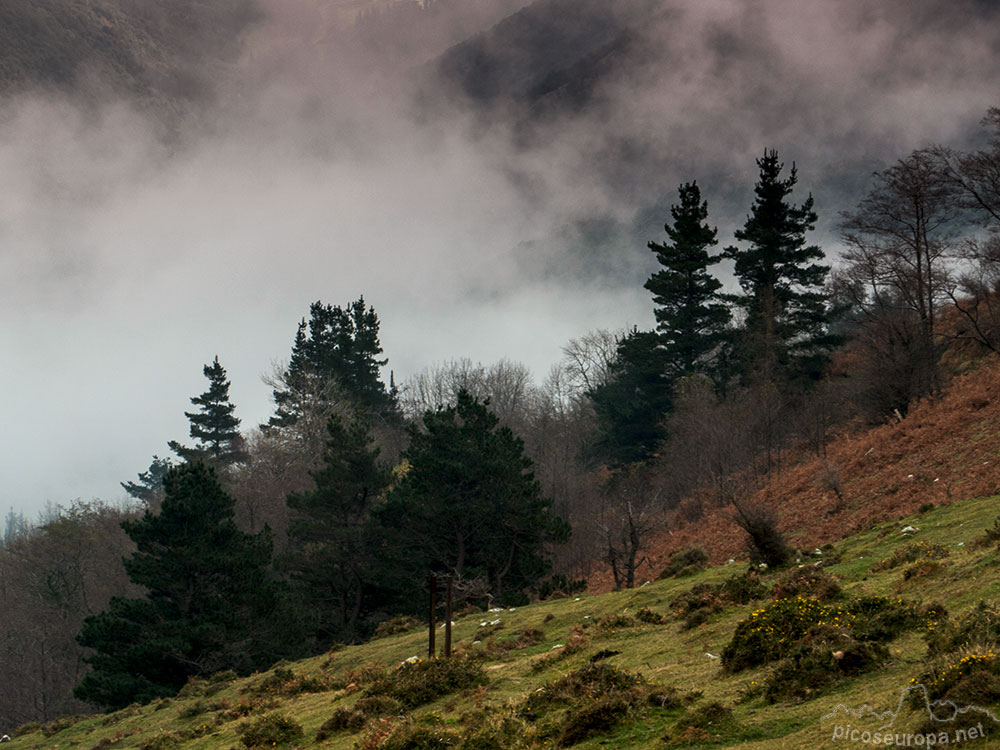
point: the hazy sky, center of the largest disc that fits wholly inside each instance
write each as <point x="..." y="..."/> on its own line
<point x="129" y="260"/>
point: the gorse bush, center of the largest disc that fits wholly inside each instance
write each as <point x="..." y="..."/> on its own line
<point x="980" y="625"/>
<point x="770" y="633"/>
<point x="773" y="632"/>
<point x="882" y="618"/>
<point x="826" y="655"/>
<point x="973" y="679"/>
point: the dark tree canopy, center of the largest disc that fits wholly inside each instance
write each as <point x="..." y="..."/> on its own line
<point x="691" y="316"/>
<point x="329" y="552"/>
<point x="632" y="405"/>
<point x="785" y="332"/>
<point x="214" y="426"/>
<point x="149" y="488"/>
<point x="210" y="603"/>
<point x="468" y="505"/>
<point x="339" y="347"/>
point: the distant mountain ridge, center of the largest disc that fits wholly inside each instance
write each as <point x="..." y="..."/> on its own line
<point x="164" y="50"/>
<point x="551" y="50"/>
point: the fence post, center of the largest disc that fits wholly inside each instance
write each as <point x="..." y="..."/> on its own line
<point x="433" y="622"/>
<point x="447" y="620"/>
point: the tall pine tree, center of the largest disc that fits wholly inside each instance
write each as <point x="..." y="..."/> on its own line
<point x="468" y="505"/>
<point x="335" y="355"/>
<point x="329" y="554"/>
<point x="213" y="425"/>
<point x="210" y="605"/>
<point x="632" y="405"/>
<point x="691" y="316"/>
<point x="785" y="331"/>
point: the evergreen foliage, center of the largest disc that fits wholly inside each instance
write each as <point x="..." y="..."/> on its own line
<point x="632" y="405"/>
<point x="338" y="346"/>
<point x="213" y="425"/>
<point x="785" y="332"/>
<point x="210" y="605"/>
<point x="691" y="316"/>
<point x="468" y="505"/>
<point x="149" y="488"/>
<point x="329" y="550"/>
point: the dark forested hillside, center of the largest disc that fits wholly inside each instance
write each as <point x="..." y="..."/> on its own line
<point x="559" y="49"/>
<point x="157" y="49"/>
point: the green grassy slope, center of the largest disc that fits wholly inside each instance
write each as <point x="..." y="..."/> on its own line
<point x="209" y="714"/>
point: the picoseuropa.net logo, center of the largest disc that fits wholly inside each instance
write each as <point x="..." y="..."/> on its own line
<point x="946" y="723"/>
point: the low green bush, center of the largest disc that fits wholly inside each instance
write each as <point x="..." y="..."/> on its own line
<point x="809" y="581"/>
<point x="773" y="632"/>
<point x="395" y="626"/>
<point x="973" y="679"/>
<point x="980" y="625"/>
<point x="684" y="562"/>
<point x="912" y="552"/>
<point x="269" y="731"/>
<point x="424" y="680"/>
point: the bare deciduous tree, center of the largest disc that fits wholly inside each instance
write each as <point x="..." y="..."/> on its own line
<point x="633" y="511"/>
<point x="900" y="240"/>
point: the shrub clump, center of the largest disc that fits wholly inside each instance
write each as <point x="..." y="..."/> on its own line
<point x="611" y="623"/>
<point x="598" y="695"/>
<point x="696" y="605"/>
<point x="974" y="679"/>
<point x="269" y="731"/>
<point x="765" y="543"/>
<point x="283" y="681"/>
<point x="742" y="588"/>
<point x="395" y="626"/>
<point x="684" y="562"/>
<point x="649" y="617"/>
<point x="807" y="581"/>
<point x="912" y="552"/>
<point x="773" y="632"/>
<point x="711" y="722"/>
<point x="979" y="625"/>
<point x="415" y="683"/>
<point x="990" y="536"/>
<point x="353" y="719"/>
<point x="559" y="587"/>
<point x="700" y="602"/>
<point x="826" y="655"/>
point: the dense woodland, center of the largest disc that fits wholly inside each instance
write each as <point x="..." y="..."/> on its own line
<point x="249" y="545"/>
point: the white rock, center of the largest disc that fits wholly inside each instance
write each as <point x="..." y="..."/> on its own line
<point x="711" y="656"/>
<point x="909" y="530"/>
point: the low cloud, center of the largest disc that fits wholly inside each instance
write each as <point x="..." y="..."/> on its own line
<point x="131" y="253"/>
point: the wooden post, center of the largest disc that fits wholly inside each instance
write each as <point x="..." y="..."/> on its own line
<point x="447" y="618"/>
<point x="433" y="616"/>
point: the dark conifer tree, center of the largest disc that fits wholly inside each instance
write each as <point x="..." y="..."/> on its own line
<point x="213" y="426"/>
<point x="632" y="405"/>
<point x="149" y="488"/>
<point x="336" y="351"/>
<point x="691" y="317"/>
<point x="785" y="332"/>
<point x="210" y="605"/>
<point x="329" y="554"/>
<point x="469" y="506"/>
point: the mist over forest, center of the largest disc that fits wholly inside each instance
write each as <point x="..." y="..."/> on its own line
<point x="379" y="226"/>
<point x="182" y="179"/>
